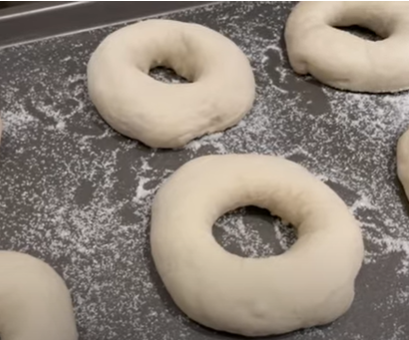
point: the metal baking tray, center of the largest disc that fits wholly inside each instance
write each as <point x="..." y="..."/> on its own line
<point x="77" y="194"/>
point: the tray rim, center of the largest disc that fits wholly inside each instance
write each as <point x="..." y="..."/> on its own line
<point x="37" y="21"/>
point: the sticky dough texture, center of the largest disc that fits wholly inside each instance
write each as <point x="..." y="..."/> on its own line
<point x="345" y="61"/>
<point x="170" y="115"/>
<point x="311" y="284"/>
<point x="34" y="302"/>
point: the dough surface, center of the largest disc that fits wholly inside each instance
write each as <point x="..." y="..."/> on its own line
<point x="170" y="115"/>
<point x="35" y="304"/>
<point x="343" y="60"/>
<point x="310" y="284"/>
<point x="403" y="161"/>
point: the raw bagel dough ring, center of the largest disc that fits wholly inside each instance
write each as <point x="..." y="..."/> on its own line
<point x="170" y="115"/>
<point x="310" y="284"/>
<point x="403" y="161"/>
<point x="343" y="60"/>
<point x="35" y="304"/>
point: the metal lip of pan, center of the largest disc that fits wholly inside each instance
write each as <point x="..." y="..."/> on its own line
<point x="36" y="21"/>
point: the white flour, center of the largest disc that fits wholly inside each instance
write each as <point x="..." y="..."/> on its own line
<point x="77" y="194"/>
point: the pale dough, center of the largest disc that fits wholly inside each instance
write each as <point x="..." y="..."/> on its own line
<point x="170" y="115"/>
<point x="35" y="304"/>
<point x="310" y="284"/>
<point x="403" y="161"/>
<point x="343" y="60"/>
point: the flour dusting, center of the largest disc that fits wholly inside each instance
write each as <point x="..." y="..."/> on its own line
<point x="78" y="195"/>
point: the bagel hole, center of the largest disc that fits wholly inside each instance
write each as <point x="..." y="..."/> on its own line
<point x="253" y="232"/>
<point x="361" y="32"/>
<point x="167" y="75"/>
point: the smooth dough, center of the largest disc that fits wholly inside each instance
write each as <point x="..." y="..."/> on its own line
<point x="403" y="161"/>
<point x="343" y="60"/>
<point x="310" y="284"/>
<point x="34" y="302"/>
<point x="170" y="115"/>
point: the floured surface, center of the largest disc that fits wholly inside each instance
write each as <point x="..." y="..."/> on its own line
<point x="76" y="194"/>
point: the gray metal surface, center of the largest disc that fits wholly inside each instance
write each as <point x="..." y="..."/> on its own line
<point x="38" y="20"/>
<point x="76" y="194"/>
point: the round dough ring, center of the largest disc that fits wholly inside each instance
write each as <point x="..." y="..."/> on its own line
<point x="170" y="115"/>
<point x="402" y="156"/>
<point x="343" y="60"/>
<point x="310" y="284"/>
<point x="35" y="302"/>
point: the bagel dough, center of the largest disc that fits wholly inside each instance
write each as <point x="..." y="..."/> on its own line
<point x="34" y="302"/>
<point x="170" y="115"/>
<point x="403" y="161"/>
<point x="343" y="60"/>
<point x="310" y="284"/>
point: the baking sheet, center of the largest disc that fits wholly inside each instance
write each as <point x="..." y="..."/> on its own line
<point x="77" y="194"/>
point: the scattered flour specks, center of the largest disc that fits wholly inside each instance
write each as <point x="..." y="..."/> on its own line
<point x="78" y="195"/>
